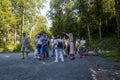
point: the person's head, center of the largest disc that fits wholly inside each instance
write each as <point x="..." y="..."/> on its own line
<point x="24" y="34"/>
<point x="44" y="33"/>
<point x="53" y="37"/>
<point x="38" y="36"/>
<point x="58" y="36"/>
<point x="82" y="38"/>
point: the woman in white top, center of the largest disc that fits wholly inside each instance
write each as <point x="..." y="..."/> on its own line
<point x="83" y="48"/>
<point x="83" y="42"/>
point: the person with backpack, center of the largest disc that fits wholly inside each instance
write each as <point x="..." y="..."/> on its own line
<point x="59" y="49"/>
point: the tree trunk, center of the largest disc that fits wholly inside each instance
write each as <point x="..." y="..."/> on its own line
<point x="89" y="36"/>
<point x="117" y="8"/>
<point x="5" y="40"/>
<point x="22" y="19"/>
<point x="100" y="33"/>
<point x="22" y="28"/>
<point x="15" y="38"/>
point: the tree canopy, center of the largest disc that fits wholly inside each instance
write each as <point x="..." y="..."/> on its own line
<point x="18" y="16"/>
<point x="89" y="18"/>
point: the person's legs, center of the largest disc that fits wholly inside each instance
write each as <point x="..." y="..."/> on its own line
<point x="23" y="51"/>
<point x="53" y="51"/>
<point x="71" y="54"/>
<point x="56" y="55"/>
<point x="27" y="55"/>
<point x="46" y="51"/>
<point x="35" y="52"/>
<point x="84" y="52"/>
<point x="42" y="54"/>
<point x="68" y="49"/>
<point x="27" y="50"/>
<point x="38" y="50"/>
<point x="43" y="51"/>
<point x="61" y="55"/>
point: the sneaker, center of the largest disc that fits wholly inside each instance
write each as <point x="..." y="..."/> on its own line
<point x="39" y="59"/>
<point x="52" y="55"/>
<point x="83" y="56"/>
<point x="62" y="61"/>
<point x="22" y="57"/>
<point x="55" y="61"/>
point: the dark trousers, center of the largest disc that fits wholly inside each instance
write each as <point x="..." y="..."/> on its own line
<point x="45" y="51"/>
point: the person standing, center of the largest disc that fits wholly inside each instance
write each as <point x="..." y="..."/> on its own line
<point x="24" y="46"/>
<point x="52" y="45"/>
<point x="35" y="46"/>
<point x="45" y="45"/>
<point x="83" y="48"/>
<point x="71" y="53"/>
<point x="59" y="49"/>
<point x="39" y="46"/>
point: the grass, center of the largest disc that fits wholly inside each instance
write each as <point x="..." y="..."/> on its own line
<point x="1" y="49"/>
<point x="111" y="44"/>
<point x="113" y="56"/>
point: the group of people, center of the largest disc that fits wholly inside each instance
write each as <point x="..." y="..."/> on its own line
<point x="59" y="46"/>
<point x="80" y="46"/>
<point x="40" y="46"/>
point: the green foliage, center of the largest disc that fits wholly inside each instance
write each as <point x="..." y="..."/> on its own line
<point x="108" y="43"/>
<point x="113" y="56"/>
<point x="19" y="16"/>
<point x="111" y="44"/>
<point x="75" y="16"/>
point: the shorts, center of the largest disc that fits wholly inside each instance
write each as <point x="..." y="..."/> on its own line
<point x="26" y="49"/>
<point x="82" y="50"/>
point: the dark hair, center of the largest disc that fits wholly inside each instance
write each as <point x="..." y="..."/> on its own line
<point x="58" y="36"/>
<point x="23" y="33"/>
<point x="38" y="36"/>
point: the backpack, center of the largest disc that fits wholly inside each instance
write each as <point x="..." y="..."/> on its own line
<point x="60" y="44"/>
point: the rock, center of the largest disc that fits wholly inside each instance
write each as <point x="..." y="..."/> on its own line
<point x="98" y="73"/>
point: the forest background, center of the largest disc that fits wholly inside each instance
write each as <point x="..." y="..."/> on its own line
<point x="97" y="20"/>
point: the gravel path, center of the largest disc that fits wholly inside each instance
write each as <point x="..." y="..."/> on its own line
<point x="12" y="67"/>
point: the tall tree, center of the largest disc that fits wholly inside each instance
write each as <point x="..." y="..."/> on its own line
<point x="18" y="16"/>
<point x="117" y="8"/>
<point x="6" y="20"/>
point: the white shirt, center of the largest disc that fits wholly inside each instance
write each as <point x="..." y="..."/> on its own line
<point x="38" y="41"/>
<point x="24" y="41"/>
<point x="83" y="42"/>
<point x="56" y="42"/>
<point x="52" y="42"/>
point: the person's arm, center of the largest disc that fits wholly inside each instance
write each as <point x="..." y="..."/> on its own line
<point x="66" y="34"/>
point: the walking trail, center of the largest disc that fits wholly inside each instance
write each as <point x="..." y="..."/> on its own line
<point x="12" y="67"/>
